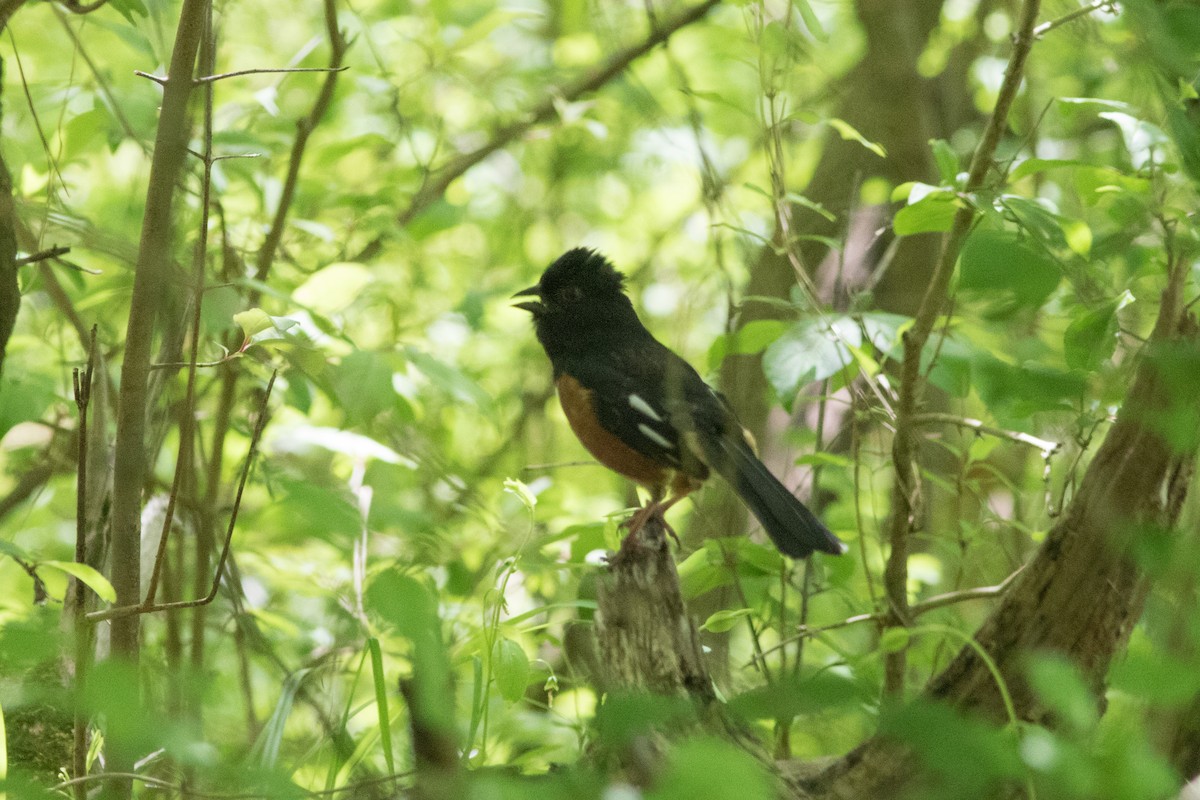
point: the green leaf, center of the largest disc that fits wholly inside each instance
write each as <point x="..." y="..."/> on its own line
<point x="811" y="21"/>
<point x="931" y="214"/>
<point x="450" y="379"/>
<point x="253" y="321"/>
<point x="626" y="715"/>
<point x="894" y="640"/>
<point x="89" y="576"/>
<point x="1059" y="685"/>
<point x="697" y="575"/>
<point x="811" y="205"/>
<point x="946" y="741"/>
<point x="724" y="620"/>
<point x="712" y="768"/>
<point x="810" y="351"/>
<point x="382" y="714"/>
<point x="1145" y="142"/>
<point x="1001" y="262"/>
<point x="946" y="159"/>
<point x="511" y="669"/>
<point x="522" y="492"/>
<point x="749" y="339"/>
<point x="25" y="394"/>
<point x="1092" y="338"/>
<point x="849" y="133"/>
<point x="1157" y="677"/>
<point x="1033" y="166"/>
<point x="795" y="696"/>
<point x="1019" y="390"/>
<point x="363" y="384"/>
<point x="333" y="288"/>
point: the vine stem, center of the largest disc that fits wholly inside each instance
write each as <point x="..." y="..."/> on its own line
<point x="905" y="490"/>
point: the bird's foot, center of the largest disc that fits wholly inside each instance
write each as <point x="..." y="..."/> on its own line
<point x="651" y="511"/>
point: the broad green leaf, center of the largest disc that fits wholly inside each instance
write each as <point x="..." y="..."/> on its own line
<point x="1019" y="390"/>
<point x="946" y="740"/>
<point x="511" y="669"/>
<point x="1059" y="685"/>
<point x="810" y="351"/>
<point x="751" y="338"/>
<point x="627" y="715"/>
<point x="450" y="379"/>
<point x="724" y="620"/>
<point x="1033" y="166"/>
<point x="363" y="383"/>
<point x="1001" y="262"/>
<point x="25" y="393"/>
<point x="1156" y="677"/>
<point x="794" y="696"/>
<point x="946" y="159"/>
<point x="894" y="640"/>
<point x="334" y="288"/>
<point x="1145" y="141"/>
<point x="89" y="576"/>
<point x="1091" y="339"/>
<point x="253" y="321"/>
<point x="931" y="214"/>
<point x="713" y="768"/>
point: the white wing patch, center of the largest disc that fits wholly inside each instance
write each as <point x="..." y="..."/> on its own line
<point x="654" y="435"/>
<point x="642" y="407"/>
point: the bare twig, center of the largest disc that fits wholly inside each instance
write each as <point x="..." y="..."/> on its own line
<point x="122" y="612"/>
<point x="915" y="610"/>
<point x="905" y="490"/>
<point x="42" y="255"/>
<point x="1082" y="11"/>
<point x="83" y="397"/>
<point x="1045" y="446"/>
<point x="304" y="128"/>
<point x="239" y="73"/>
<point x="187" y="422"/>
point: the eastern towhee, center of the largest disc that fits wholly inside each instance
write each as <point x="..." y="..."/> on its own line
<point x="643" y="412"/>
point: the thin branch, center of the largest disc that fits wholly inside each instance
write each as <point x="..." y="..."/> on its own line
<point x="121" y="612"/>
<point x="915" y="610"/>
<point x="161" y="81"/>
<point x="1045" y="446"/>
<point x="187" y="424"/>
<point x="33" y="258"/>
<point x="905" y="490"/>
<point x="437" y="181"/>
<point x="83" y="396"/>
<point x="1083" y="11"/>
<point x="304" y="128"/>
<point x="237" y="74"/>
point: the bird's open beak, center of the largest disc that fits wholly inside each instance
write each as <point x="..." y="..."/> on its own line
<point x="534" y="307"/>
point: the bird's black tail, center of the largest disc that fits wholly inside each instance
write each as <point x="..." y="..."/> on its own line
<point x="794" y="529"/>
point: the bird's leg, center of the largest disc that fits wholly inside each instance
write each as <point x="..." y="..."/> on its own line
<point x="654" y="509"/>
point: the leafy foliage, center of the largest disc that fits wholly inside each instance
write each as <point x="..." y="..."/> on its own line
<point x="416" y="510"/>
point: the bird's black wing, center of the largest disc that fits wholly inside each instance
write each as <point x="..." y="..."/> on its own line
<point x="635" y="389"/>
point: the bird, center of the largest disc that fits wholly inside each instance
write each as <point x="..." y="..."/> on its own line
<point x="644" y="412"/>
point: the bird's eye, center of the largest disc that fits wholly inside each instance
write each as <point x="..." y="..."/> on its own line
<point x="569" y="294"/>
